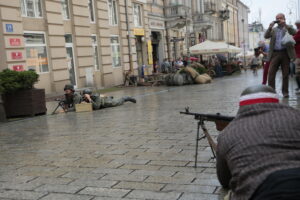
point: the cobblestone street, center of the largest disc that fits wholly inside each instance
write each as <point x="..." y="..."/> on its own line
<point x="135" y="151"/>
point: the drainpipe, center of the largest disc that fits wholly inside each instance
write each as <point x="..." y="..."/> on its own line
<point x="128" y="37"/>
<point x="167" y="31"/>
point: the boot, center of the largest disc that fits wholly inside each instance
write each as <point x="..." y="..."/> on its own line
<point x="131" y="99"/>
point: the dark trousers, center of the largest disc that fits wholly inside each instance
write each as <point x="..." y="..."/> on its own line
<point x="280" y="185"/>
<point x="266" y="71"/>
<point x="282" y="59"/>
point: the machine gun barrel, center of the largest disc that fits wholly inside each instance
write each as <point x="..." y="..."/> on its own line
<point x="209" y="117"/>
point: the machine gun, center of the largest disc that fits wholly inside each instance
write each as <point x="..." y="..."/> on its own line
<point x="61" y="104"/>
<point x="220" y="121"/>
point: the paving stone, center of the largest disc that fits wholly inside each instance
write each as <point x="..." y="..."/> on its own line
<point x="152" y="173"/>
<point x="139" y="186"/>
<point x="199" y="196"/>
<point x="168" y="163"/>
<point x="141" y="167"/>
<point x="143" y="194"/>
<point x="15" y="194"/>
<point x="129" y="177"/>
<point x="72" y="189"/>
<point x="104" y="192"/>
<point x="50" y="180"/>
<point x="189" y="188"/>
<point x="19" y="186"/>
<point x="95" y="183"/>
<point x="53" y="196"/>
<point x="167" y="179"/>
<point x="112" y="171"/>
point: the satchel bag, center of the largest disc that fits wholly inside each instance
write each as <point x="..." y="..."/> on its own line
<point x="288" y="40"/>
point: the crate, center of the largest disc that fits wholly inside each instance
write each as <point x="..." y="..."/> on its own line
<point x="84" y="107"/>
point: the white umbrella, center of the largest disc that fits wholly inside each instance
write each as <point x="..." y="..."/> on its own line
<point x="247" y="54"/>
<point x="210" y="47"/>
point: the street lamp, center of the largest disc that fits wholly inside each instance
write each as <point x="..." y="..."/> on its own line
<point x="244" y="41"/>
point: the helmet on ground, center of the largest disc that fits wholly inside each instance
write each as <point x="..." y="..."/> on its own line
<point x="69" y="87"/>
<point x="87" y="91"/>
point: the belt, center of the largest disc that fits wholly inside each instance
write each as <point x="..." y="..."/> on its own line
<point x="282" y="50"/>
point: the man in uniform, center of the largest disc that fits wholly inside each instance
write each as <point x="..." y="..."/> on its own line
<point x="258" y="153"/>
<point x="103" y="102"/>
<point x="71" y="98"/>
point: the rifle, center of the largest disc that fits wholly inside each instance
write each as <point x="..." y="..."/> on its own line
<point x="61" y="103"/>
<point x="221" y="122"/>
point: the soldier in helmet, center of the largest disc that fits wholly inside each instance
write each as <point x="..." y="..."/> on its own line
<point x="71" y="98"/>
<point x="103" y="102"/>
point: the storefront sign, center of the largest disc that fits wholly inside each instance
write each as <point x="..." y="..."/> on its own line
<point x="9" y="28"/>
<point x="15" y="42"/>
<point x="156" y="24"/>
<point x="139" y="31"/>
<point x="16" y="55"/>
<point x="18" y="68"/>
<point x="150" y="50"/>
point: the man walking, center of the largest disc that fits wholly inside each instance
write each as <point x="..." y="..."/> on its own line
<point x="297" y="49"/>
<point x="280" y="55"/>
<point x="258" y="153"/>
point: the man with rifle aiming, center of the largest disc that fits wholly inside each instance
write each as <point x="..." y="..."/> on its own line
<point x="258" y="153"/>
<point x="71" y="98"/>
<point x="103" y="102"/>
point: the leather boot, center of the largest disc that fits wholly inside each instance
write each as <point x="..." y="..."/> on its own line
<point x="131" y="99"/>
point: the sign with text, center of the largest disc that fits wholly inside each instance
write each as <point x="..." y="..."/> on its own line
<point x="9" y="28"/>
<point x="150" y="55"/>
<point x="18" y="68"/>
<point x="15" y="42"/>
<point x="16" y="55"/>
<point x="156" y="24"/>
<point x="139" y="31"/>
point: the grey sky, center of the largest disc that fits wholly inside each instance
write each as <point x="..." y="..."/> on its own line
<point x="270" y="8"/>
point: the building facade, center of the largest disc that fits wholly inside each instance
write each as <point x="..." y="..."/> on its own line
<point x="93" y="43"/>
<point x="243" y="32"/>
<point x="256" y="34"/>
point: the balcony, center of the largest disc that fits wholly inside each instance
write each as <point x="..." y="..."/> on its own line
<point x="203" y="21"/>
<point x="175" y="11"/>
<point x="210" y="7"/>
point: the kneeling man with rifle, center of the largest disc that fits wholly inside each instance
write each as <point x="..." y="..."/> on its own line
<point x="258" y="153"/>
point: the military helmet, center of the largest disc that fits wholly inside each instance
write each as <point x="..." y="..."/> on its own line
<point x="69" y="87"/>
<point x="87" y="91"/>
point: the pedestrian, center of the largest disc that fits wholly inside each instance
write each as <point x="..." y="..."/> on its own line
<point x="166" y="66"/>
<point x="71" y="98"/>
<point x="264" y="50"/>
<point x="255" y="61"/>
<point x="280" y="55"/>
<point x="217" y="67"/>
<point x="104" y="102"/>
<point x="297" y="49"/>
<point x="258" y="153"/>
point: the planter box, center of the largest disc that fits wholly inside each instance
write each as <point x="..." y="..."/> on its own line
<point x="25" y="102"/>
<point x="83" y="107"/>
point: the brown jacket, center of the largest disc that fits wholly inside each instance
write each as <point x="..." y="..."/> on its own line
<point x="271" y="33"/>
<point x="262" y="139"/>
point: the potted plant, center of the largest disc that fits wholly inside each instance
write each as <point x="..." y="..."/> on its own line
<point x="19" y="95"/>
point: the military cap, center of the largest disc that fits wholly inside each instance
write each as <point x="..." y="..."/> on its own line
<point x="69" y="87"/>
<point x="87" y="91"/>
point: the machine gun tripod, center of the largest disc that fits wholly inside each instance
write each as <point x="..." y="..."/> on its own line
<point x="220" y="121"/>
<point x="61" y="104"/>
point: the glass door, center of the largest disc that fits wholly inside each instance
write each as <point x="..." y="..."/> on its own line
<point x="70" y="59"/>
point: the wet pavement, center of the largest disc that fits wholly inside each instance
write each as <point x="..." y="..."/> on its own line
<point x="135" y="151"/>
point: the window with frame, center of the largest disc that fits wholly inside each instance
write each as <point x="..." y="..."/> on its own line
<point x="65" y="9"/>
<point x="36" y="52"/>
<point x="137" y="15"/>
<point x="92" y="11"/>
<point x="31" y="8"/>
<point x="115" y="50"/>
<point x="112" y="12"/>
<point x="96" y="54"/>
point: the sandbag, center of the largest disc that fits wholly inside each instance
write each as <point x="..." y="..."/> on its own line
<point x="208" y="78"/>
<point x="201" y="79"/>
<point x="192" y="72"/>
<point x="174" y="79"/>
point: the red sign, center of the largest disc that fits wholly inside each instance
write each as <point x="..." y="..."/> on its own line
<point x="15" y="41"/>
<point x="16" y="55"/>
<point x="18" y="68"/>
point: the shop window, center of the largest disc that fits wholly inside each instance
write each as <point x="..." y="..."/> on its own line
<point x="92" y="11"/>
<point x="31" y="8"/>
<point x="137" y="15"/>
<point x="65" y="9"/>
<point x="112" y="12"/>
<point x="36" y="52"/>
<point x="96" y="54"/>
<point x="115" y="50"/>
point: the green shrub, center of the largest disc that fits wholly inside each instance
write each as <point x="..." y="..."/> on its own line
<point x="11" y="81"/>
<point x="201" y="70"/>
